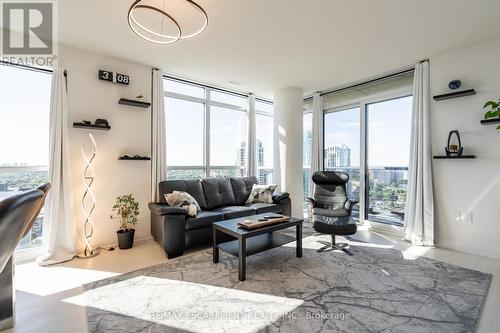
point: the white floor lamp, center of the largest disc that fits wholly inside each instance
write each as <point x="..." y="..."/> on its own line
<point x="88" y="179"/>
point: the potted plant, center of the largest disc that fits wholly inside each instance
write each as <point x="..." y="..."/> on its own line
<point x="126" y="209"/>
<point x="493" y="111"/>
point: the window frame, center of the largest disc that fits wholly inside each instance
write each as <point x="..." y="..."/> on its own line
<point x="363" y="103"/>
<point x="23" y="255"/>
<point x="264" y="113"/>
<point x="208" y="103"/>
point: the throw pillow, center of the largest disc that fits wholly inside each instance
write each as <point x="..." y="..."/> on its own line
<point x="183" y="200"/>
<point x="190" y="198"/>
<point x="261" y="193"/>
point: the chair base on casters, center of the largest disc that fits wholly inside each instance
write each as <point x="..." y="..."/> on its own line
<point x="334" y="246"/>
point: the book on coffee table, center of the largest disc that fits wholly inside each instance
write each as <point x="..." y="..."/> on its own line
<point x="255" y="223"/>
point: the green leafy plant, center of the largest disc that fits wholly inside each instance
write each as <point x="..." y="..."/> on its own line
<point x="126" y="209"/>
<point x="492" y="111"/>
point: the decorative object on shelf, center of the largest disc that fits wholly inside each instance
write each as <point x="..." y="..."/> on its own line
<point x="132" y="102"/>
<point x="454" y="149"/>
<point x="454" y="84"/>
<point x="492" y="115"/>
<point x="126" y="209"/>
<point x="88" y="179"/>
<point x="141" y="11"/>
<point x="455" y="94"/>
<point x="134" y="158"/>
<point x="101" y="124"/>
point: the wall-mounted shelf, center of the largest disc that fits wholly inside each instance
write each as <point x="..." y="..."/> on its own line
<point x="455" y="94"/>
<point x="463" y="157"/>
<point x="132" y="102"/>
<point x="134" y="158"/>
<point x="91" y="126"/>
<point x="490" y="121"/>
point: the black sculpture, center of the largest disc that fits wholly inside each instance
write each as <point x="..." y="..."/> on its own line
<point x="452" y="149"/>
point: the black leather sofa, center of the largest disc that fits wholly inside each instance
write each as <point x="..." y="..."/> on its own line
<point x="219" y="198"/>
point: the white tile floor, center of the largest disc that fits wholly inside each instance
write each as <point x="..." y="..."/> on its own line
<point x="42" y="292"/>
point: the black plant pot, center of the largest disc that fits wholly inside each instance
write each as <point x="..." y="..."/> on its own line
<point x="125" y="238"/>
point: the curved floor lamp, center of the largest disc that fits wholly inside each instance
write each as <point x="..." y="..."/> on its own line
<point x="88" y="179"/>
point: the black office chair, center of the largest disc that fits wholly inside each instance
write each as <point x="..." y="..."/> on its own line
<point x="17" y="215"/>
<point x="331" y="209"/>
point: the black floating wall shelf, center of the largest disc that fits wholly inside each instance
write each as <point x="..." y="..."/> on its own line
<point x="462" y="157"/>
<point x="134" y="158"/>
<point x="455" y="94"/>
<point x="91" y="126"/>
<point x="131" y="102"/>
<point x="490" y="121"/>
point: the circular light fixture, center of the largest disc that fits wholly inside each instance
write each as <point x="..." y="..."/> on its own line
<point x="160" y="37"/>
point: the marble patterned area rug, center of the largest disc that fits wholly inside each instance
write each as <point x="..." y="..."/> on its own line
<point x="376" y="290"/>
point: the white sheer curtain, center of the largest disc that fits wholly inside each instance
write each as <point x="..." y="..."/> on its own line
<point x="159" y="141"/>
<point x="58" y="219"/>
<point x="317" y="136"/>
<point x="419" y="215"/>
<point x="251" y="138"/>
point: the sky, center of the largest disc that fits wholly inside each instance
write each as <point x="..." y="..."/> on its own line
<point x="24" y="116"/>
<point x="228" y="129"/>
<point x="389" y="126"/>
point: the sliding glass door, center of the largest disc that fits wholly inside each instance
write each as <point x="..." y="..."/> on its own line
<point x="367" y="135"/>
<point x="342" y="147"/>
<point x="387" y="153"/>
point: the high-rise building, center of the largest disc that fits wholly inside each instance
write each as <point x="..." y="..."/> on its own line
<point x="308" y="148"/>
<point x="337" y="156"/>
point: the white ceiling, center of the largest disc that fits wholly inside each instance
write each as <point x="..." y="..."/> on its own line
<point x="268" y="44"/>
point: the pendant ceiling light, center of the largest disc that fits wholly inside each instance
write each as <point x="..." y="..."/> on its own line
<point x="166" y="21"/>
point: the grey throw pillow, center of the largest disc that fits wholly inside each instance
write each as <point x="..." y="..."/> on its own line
<point x="183" y="200"/>
<point x="261" y="193"/>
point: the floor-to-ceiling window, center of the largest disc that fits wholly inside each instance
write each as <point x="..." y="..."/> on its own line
<point x="307" y="153"/>
<point x="24" y="136"/>
<point x="207" y="132"/>
<point x="264" y="136"/>
<point x="366" y="134"/>
<point x="387" y="146"/>
<point x="342" y="151"/>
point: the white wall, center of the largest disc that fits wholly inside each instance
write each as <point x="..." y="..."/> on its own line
<point x="90" y="98"/>
<point x="467" y="185"/>
<point x="287" y="124"/>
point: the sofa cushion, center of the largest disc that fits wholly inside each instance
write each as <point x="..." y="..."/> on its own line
<point x="193" y="187"/>
<point x="262" y="207"/>
<point x="233" y="212"/>
<point x="218" y="192"/>
<point x="242" y="187"/>
<point x="204" y="219"/>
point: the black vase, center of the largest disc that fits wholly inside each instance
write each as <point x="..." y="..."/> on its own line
<point x="125" y="238"/>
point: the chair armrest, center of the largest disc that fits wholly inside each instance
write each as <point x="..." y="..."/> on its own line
<point x="163" y="209"/>
<point x="279" y="196"/>
<point x="350" y="204"/>
<point x="311" y="202"/>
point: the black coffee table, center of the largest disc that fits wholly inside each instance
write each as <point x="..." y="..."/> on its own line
<point x="248" y="242"/>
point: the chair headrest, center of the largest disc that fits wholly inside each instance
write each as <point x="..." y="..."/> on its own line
<point x="330" y="177"/>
